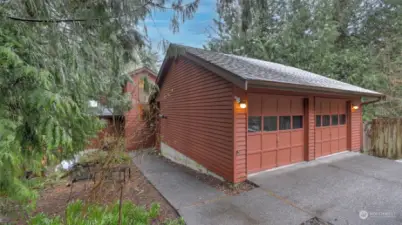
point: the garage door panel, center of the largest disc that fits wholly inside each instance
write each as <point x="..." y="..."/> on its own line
<point x="325" y="107"/>
<point x="318" y="135"/>
<point x="269" y="141"/>
<point x="277" y="144"/>
<point x="334" y="106"/>
<point x="326" y="148"/>
<point x="342" y="107"/>
<point x="269" y="106"/>
<point x="297" y="154"/>
<point x="283" y="157"/>
<point x="254" y="161"/>
<point x="335" y="134"/>
<point x="318" y="108"/>
<point x="334" y="146"/>
<point x="254" y="142"/>
<point x="297" y="106"/>
<point x="297" y="137"/>
<point x="342" y="144"/>
<point x="343" y="132"/>
<point x="318" y="151"/>
<point x="284" y="106"/>
<point x="284" y="140"/>
<point x="269" y="160"/>
<point x="254" y="105"/>
<point x="325" y="134"/>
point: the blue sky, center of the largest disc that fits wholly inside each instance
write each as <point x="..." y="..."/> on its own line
<point x="193" y="32"/>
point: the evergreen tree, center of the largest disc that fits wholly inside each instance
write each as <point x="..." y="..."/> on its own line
<point x="56" y="56"/>
<point x="356" y="41"/>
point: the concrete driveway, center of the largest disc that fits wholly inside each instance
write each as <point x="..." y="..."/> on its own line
<point x="348" y="188"/>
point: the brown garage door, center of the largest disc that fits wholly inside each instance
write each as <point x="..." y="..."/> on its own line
<point x="331" y="126"/>
<point x="275" y="131"/>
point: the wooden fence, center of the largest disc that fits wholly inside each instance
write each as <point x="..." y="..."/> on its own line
<point x="384" y="137"/>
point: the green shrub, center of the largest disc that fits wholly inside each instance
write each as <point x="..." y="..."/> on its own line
<point x="77" y="213"/>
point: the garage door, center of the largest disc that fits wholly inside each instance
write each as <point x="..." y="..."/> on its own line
<point x="331" y="126"/>
<point x="275" y="131"/>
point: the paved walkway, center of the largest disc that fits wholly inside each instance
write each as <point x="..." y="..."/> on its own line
<point x="198" y="203"/>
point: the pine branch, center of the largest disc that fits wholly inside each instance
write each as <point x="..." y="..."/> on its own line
<point x="71" y="20"/>
<point x="55" y="20"/>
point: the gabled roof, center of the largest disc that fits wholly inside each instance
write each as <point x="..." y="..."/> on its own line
<point x="248" y="72"/>
<point x="143" y="69"/>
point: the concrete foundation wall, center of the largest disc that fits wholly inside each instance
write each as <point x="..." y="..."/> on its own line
<point x="179" y="158"/>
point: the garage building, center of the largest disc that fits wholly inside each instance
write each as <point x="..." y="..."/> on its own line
<point x="233" y="116"/>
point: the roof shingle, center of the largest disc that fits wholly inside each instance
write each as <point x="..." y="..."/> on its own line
<point x="258" y="70"/>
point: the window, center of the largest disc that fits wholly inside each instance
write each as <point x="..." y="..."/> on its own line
<point x="325" y="120"/>
<point x="270" y="123"/>
<point x="318" y="121"/>
<point x="342" y="119"/>
<point x="297" y="122"/>
<point x="284" y="122"/>
<point x="334" y="120"/>
<point x="254" y="123"/>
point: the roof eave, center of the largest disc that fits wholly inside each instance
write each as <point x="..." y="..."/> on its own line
<point x="169" y="58"/>
<point x="163" y="69"/>
<point x="307" y="89"/>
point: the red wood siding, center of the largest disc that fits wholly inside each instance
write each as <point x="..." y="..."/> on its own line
<point x="310" y="128"/>
<point x="240" y="137"/>
<point x="137" y="134"/>
<point x="356" y="126"/>
<point x="198" y="105"/>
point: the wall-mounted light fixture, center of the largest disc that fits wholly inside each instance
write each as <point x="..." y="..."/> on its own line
<point x="355" y="107"/>
<point x="242" y="103"/>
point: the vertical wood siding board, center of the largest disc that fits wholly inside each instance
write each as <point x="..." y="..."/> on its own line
<point x="361" y="128"/>
<point x="349" y="125"/>
<point x="398" y="138"/>
<point x="245" y="120"/>
<point x="307" y="128"/>
<point x="234" y="136"/>
<point x="311" y="141"/>
<point x="356" y="128"/>
<point x="240" y="127"/>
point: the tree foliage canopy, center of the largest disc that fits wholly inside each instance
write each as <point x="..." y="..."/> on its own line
<point x="55" y="56"/>
<point x="356" y="41"/>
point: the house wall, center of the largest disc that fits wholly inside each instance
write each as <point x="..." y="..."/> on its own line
<point x="356" y="127"/>
<point x="310" y="128"/>
<point x="198" y="109"/>
<point x="136" y="131"/>
<point x="240" y="137"/>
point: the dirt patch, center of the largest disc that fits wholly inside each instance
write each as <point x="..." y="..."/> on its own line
<point x="224" y="186"/>
<point x="53" y="200"/>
